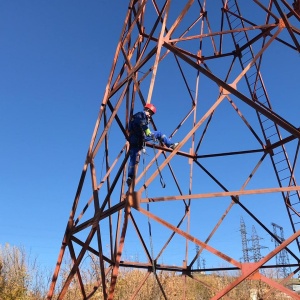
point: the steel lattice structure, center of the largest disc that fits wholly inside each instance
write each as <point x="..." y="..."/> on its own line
<point x="201" y="64"/>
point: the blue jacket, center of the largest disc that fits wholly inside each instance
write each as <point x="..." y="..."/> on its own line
<point x="137" y="126"/>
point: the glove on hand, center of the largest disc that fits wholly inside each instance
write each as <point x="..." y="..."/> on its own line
<point x="148" y="132"/>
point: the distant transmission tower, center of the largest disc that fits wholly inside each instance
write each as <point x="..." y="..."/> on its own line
<point x="282" y="258"/>
<point x="256" y="247"/>
<point x="244" y="241"/>
<point x="198" y="258"/>
<point x="200" y="261"/>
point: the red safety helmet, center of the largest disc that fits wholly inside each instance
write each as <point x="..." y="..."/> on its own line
<point x="150" y="107"/>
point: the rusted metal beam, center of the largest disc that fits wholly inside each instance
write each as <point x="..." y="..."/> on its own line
<point x="221" y="194"/>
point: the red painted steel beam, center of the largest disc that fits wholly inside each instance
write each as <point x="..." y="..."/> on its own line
<point x="222" y="194"/>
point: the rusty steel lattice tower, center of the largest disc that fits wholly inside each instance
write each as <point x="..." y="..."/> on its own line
<point x="202" y="64"/>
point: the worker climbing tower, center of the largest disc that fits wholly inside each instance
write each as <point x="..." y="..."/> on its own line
<point x="220" y="74"/>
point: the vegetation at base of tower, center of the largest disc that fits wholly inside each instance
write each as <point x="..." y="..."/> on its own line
<point x="22" y="278"/>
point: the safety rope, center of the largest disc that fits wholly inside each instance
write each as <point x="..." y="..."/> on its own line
<point x="148" y="209"/>
<point x="162" y="182"/>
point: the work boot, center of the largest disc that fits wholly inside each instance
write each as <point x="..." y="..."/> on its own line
<point x="173" y="146"/>
<point x="129" y="181"/>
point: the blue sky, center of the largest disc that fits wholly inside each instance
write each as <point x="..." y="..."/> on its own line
<point x="55" y="58"/>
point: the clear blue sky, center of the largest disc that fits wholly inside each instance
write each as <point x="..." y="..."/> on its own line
<point x="55" y="57"/>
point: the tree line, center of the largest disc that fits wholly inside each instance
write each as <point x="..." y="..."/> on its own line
<point x="23" y="278"/>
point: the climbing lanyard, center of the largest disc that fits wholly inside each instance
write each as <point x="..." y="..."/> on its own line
<point x="160" y="175"/>
<point x="149" y="224"/>
<point x="161" y="179"/>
